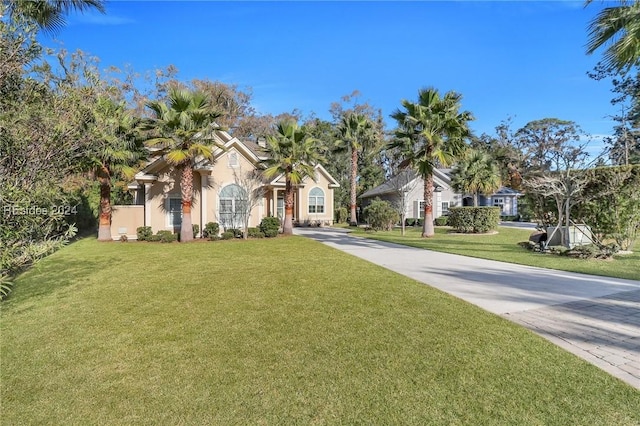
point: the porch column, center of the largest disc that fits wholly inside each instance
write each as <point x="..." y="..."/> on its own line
<point x="203" y="200"/>
<point x="274" y="202"/>
<point x="147" y="204"/>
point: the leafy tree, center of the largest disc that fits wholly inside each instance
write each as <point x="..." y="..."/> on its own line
<point x="476" y="173"/>
<point x="292" y="153"/>
<point x="355" y="131"/>
<point x="115" y="150"/>
<point x="183" y="129"/>
<point x="618" y="26"/>
<point x="555" y="161"/>
<point x="624" y="146"/>
<point x="381" y="215"/>
<point x="431" y="132"/>
<point x="370" y="171"/>
<point x="49" y="14"/>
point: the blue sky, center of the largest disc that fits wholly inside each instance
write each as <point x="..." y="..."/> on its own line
<point x="520" y="59"/>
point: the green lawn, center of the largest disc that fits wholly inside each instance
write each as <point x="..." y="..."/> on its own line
<point x="283" y="331"/>
<point x="503" y="246"/>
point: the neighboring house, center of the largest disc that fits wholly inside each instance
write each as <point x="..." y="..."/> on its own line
<point x="219" y="196"/>
<point x="407" y="188"/>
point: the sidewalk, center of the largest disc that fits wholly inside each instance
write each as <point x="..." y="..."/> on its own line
<point x="596" y="318"/>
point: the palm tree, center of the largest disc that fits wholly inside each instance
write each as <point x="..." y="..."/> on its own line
<point x="49" y="14"/>
<point x="476" y="173"/>
<point x="355" y="131"/>
<point x="292" y="153"/>
<point x="618" y="26"/>
<point x="182" y="129"/>
<point x="431" y="132"/>
<point x="115" y="149"/>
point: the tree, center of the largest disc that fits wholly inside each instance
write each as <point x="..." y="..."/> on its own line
<point x="476" y="173"/>
<point x="624" y="146"/>
<point x="49" y="15"/>
<point x="114" y="152"/>
<point x="555" y="161"/>
<point x="619" y="27"/>
<point x="251" y="183"/>
<point x="181" y="129"/>
<point x="356" y="132"/>
<point x="431" y="132"/>
<point x="292" y="153"/>
<point x="403" y="185"/>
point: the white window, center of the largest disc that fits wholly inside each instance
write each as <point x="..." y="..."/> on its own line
<point x="233" y="206"/>
<point x="316" y="201"/>
<point x="174" y="212"/>
<point x="233" y="159"/>
<point x="420" y="208"/>
<point x="445" y="207"/>
<point x="499" y="202"/>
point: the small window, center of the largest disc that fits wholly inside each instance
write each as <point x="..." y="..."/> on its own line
<point x="316" y="201"/>
<point x="233" y="159"/>
<point x="174" y="212"/>
<point x="445" y="207"/>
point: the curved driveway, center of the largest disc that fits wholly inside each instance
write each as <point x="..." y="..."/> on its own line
<point x="596" y="318"/>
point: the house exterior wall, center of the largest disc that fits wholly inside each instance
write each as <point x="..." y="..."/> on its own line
<point x="304" y="216"/>
<point x="227" y="171"/>
<point x="125" y="220"/>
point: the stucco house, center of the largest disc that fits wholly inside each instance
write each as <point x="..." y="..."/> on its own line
<point x="219" y="194"/>
<point x="408" y="185"/>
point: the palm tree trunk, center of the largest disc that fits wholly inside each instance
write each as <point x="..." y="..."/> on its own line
<point x="354" y="177"/>
<point x="287" y="226"/>
<point x="427" y="226"/>
<point x="186" y="189"/>
<point x="104" y="224"/>
<point x="475" y="199"/>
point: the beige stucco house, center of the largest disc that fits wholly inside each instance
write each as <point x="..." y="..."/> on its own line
<point x="220" y="194"/>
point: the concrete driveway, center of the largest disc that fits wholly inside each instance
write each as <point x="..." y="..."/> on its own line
<point x="596" y="318"/>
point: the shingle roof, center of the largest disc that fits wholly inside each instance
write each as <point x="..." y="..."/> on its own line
<point x="392" y="185"/>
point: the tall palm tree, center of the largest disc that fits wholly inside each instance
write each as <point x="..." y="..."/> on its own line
<point x="355" y="132"/>
<point x="183" y="129"/>
<point x="618" y="26"/>
<point x="431" y="132"/>
<point x="476" y="173"/>
<point x="116" y="148"/>
<point x="49" y="15"/>
<point x="292" y="153"/>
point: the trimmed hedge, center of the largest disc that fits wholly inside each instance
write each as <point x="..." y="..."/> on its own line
<point x="270" y="226"/>
<point x="474" y="220"/>
<point x="441" y="221"/>
<point x="211" y="231"/>
<point x="144" y="233"/>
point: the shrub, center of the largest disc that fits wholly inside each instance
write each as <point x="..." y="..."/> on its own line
<point x="196" y="229"/>
<point x="144" y="233"/>
<point x="164" y="236"/>
<point x="270" y="226"/>
<point x="237" y="233"/>
<point x="227" y="235"/>
<point x="410" y="222"/>
<point x="441" y="221"/>
<point x="211" y="230"/>
<point x="255" y="233"/>
<point x="381" y="215"/>
<point x="474" y="219"/>
<point x="341" y="215"/>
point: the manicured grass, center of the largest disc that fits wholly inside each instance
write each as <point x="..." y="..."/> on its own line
<point x="283" y="331"/>
<point x="503" y="246"/>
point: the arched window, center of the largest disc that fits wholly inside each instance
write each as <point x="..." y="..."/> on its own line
<point x="233" y="159"/>
<point x="233" y="206"/>
<point x="316" y="201"/>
